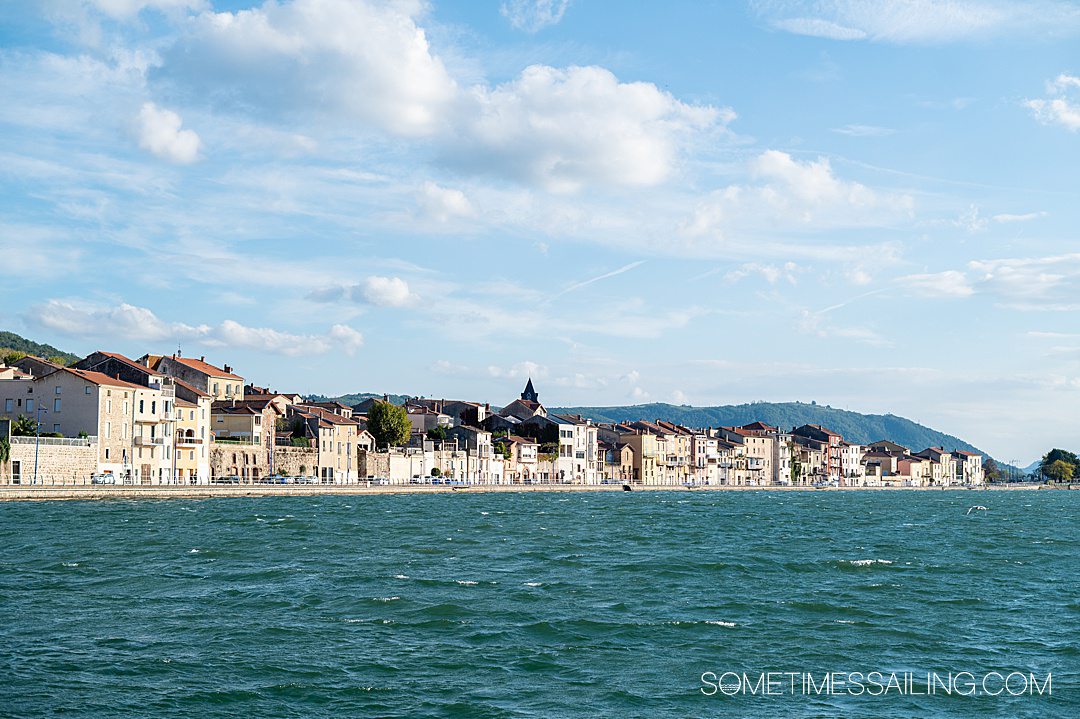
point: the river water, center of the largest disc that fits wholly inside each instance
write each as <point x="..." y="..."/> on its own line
<point x="540" y="604"/>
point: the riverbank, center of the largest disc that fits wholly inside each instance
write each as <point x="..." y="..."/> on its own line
<point x="99" y="492"/>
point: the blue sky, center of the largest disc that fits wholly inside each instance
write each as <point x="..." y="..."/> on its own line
<point x="870" y="205"/>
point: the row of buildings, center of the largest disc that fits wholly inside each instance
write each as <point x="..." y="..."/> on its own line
<point x="170" y="419"/>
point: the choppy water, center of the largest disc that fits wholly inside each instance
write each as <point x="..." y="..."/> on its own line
<point x="532" y="605"/>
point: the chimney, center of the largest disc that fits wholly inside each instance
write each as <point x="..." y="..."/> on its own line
<point x="202" y="358"/>
<point x="228" y="369"/>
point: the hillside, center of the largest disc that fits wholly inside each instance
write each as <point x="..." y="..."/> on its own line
<point x="11" y="343"/>
<point x="358" y="397"/>
<point x="856" y="427"/>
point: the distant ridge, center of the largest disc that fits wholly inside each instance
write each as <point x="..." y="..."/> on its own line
<point x="13" y="343"/>
<point x="854" y="426"/>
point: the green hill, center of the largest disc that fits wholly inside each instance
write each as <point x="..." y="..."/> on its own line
<point x="358" y="397"/>
<point x="855" y="427"/>
<point x="13" y="344"/>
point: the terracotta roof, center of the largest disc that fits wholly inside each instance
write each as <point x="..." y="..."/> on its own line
<point x="205" y="367"/>
<point x="128" y="361"/>
<point x="190" y="387"/>
<point x="99" y="378"/>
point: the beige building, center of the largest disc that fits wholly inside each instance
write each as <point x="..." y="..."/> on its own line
<point x="219" y="382"/>
<point x="132" y="423"/>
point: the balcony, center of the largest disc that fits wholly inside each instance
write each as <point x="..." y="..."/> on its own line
<point x="182" y="441"/>
<point x="150" y="441"/>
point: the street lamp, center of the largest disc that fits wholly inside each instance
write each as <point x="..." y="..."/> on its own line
<point x="37" y="438"/>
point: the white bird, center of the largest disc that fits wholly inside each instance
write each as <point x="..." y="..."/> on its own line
<point x="977" y="506"/>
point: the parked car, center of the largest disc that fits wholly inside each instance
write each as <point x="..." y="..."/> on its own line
<point x="231" y="479"/>
<point x="102" y="479"/>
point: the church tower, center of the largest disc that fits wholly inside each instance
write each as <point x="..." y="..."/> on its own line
<point x="529" y="395"/>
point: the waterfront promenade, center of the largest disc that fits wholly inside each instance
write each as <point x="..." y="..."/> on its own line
<point x="94" y="492"/>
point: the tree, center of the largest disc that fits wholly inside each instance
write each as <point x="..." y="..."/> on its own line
<point x="1059" y="470"/>
<point x="23" y="426"/>
<point x="435" y="472"/>
<point x="389" y="424"/>
<point x="796" y="466"/>
<point x="437" y="432"/>
<point x="1056" y="455"/>
<point x="991" y="470"/>
<point x="5" y="455"/>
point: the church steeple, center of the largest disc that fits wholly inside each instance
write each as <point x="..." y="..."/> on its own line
<point x="529" y="394"/>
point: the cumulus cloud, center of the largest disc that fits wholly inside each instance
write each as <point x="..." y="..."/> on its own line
<point x="565" y="128"/>
<point x="349" y="59"/>
<point x="917" y="21"/>
<point x="443" y="204"/>
<point x="533" y="15"/>
<point x="160" y="132"/>
<point x="128" y="322"/>
<point x="521" y="370"/>
<point x="374" y="290"/>
<point x="1028" y="283"/>
<point x="789" y="195"/>
<point x="386" y="291"/>
<point x="1062" y="106"/>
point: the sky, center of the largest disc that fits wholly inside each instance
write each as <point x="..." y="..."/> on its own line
<point x="870" y="205"/>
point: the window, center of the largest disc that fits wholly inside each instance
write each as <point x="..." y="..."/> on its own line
<point x="142" y="406"/>
<point x="153" y="407"/>
<point x="88" y="389"/>
<point x="29" y="405"/>
<point x="58" y="390"/>
<point x="215" y="389"/>
<point x="9" y="405"/>
<point x="56" y="404"/>
<point x="108" y="430"/>
<point x="56" y="429"/>
<point x="258" y="421"/>
<point x="106" y="453"/>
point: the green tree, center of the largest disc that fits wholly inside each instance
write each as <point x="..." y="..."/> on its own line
<point x="23" y="426"/>
<point x="796" y="467"/>
<point x="438" y="432"/>
<point x="991" y="470"/>
<point x="1056" y="455"/>
<point x="435" y="472"/>
<point x="5" y="455"/>
<point x="1059" y="471"/>
<point x="389" y="424"/>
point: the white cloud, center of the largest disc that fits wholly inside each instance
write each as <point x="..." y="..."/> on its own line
<point x="940" y="284"/>
<point x="386" y="291"/>
<point x="343" y="59"/>
<point x="637" y="393"/>
<point x="562" y="129"/>
<point x="817" y="325"/>
<point x="770" y="273"/>
<point x="443" y="204"/>
<point x="1062" y="107"/>
<point x="679" y="397"/>
<point x="1025" y="217"/>
<point x="533" y="15"/>
<point x="1053" y="281"/>
<point x="521" y="370"/>
<point x="864" y="131"/>
<point x="159" y="132"/>
<point x="127" y="323"/>
<point x="128" y="9"/>
<point x="918" y="21"/>
<point x="795" y="195"/>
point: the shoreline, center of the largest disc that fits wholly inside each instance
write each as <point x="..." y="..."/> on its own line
<point x="14" y="493"/>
